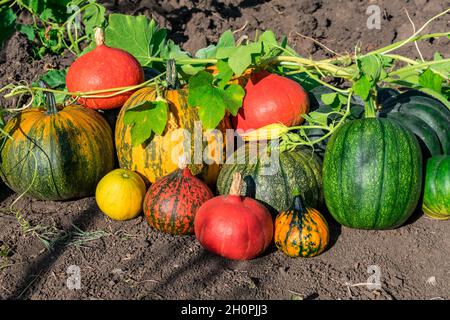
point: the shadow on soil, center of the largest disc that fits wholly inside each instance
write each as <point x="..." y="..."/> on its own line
<point x="5" y="192"/>
<point x="35" y="273"/>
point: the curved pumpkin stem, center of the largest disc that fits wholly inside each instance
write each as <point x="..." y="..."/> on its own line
<point x="183" y="165"/>
<point x="182" y="161"/>
<point x="99" y="37"/>
<point x="236" y="185"/>
<point x="172" y="75"/>
<point x="50" y="100"/>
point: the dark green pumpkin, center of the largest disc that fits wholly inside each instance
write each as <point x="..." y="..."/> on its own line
<point x="56" y="154"/>
<point x="273" y="181"/>
<point x="372" y="174"/>
<point x="436" y="198"/>
<point x="425" y="116"/>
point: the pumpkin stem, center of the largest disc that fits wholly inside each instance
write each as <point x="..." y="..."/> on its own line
<point x="298" y="204"/>
<point x="171" y="75"/>
<point x="99" y="37"/>
<point x="236" y="185"/>
<point x="183" y="165"/>
<point x="182" y="161"/>
<point x="50" y="102"/>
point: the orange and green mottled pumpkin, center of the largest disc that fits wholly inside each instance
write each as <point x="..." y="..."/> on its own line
<point x="155" y="159"/>
<point x="301" y="231"/>
<point x="171" y="203"/>
<point x="56" y="154"/>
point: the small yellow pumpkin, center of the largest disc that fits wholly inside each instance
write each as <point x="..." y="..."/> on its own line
<point x="120" y="194"/>
<point x="301" y="231"/>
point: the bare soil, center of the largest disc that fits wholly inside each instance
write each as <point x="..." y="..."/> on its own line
<point x="129" y="260"/>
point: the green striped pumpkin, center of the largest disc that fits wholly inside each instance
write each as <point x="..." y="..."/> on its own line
<point x="273" y="182"/>
<point x="56" y="154"/>
<point x="436" y="198"/>
<point x="372" y="174"/>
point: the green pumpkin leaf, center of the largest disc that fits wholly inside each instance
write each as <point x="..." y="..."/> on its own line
<point x="225" y="74"/>
<point x="241" y="58"/>
<point x="7" y="24"/>
<point x="226" y="40"/>
<point x="211" y="119"/>
<point x="437" y="56"/>
<point x="206" y="53"/>
<point x="225" y="52"/>
<point x="55" y="10"/>
<point x="34" y="5"/>
<point x="342" y="99"/>
<point x="305" y="81"/>
<point x="93" y="16"/>
<point x="329" y="98"/>
<point x="27" y="30"/>
<point x="362" y="87"/>
<point x="211" y="100"/>
<point x="431" y="80"/>
<point x="146" y="118"/>
<point x="316" y="117"/>
<point x="55" y="78"/>
<point x="370" y="67"/>
<point x="170" y="50"/>
<point x="233" y="98"/>
<point x="270" y="46"/>
<point x="138" y="35"/>
<point x="268" y="37"/>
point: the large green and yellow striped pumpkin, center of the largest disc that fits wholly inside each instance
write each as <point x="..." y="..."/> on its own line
<point x="56" y="154"/>
<point x="372" y="174"/>
<point x="159" y="156"/>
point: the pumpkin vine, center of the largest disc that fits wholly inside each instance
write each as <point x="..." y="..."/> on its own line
<point x="361" y="73"/>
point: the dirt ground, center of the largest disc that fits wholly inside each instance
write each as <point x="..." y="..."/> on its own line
<point x="129" y="260"/>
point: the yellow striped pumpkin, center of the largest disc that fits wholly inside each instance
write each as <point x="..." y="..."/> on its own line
<point x="159" y="156"/>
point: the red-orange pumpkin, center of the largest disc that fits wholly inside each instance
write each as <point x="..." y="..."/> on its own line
<point x="104" y="68"/>
<point x="234" y="227"/>
<point x="270" y="98"/>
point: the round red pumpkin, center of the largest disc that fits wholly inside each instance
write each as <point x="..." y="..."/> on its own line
<point x="270" y="98"/>
<point x="171" y="202"/>
<point x="234" y="227"/>
<point x="104" y="68"/>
